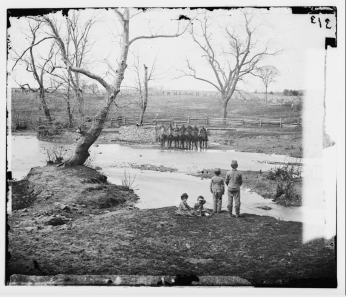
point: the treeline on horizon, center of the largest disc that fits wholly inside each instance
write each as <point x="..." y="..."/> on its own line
<point x="286" y="92"/>
<point x="93" y="89"/>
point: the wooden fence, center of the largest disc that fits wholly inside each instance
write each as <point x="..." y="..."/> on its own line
<point x="211" y="123"/>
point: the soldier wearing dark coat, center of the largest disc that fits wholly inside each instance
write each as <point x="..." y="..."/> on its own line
<point x="234" y="180"/>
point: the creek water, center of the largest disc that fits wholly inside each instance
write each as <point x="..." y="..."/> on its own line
<point x="160" y="189"/>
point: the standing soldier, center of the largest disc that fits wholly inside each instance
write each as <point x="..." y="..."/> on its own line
<point x="217" y="188"/>
<point x="234" y="180"/>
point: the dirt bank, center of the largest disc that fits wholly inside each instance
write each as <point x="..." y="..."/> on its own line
<point x="78" y="223"/>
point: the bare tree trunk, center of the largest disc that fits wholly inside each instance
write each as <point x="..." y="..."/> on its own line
<point x="266" y="94"/>
<point x="78" y="92"/>
<point x="44" y="106"/>
<point x="81" y="153"/>
<point x="69" y="113"/>
<point x="79" y="95"/>
<point x="224" y="108"/>
<point x="145" y="95"/>
<point x="80" y="100"/>
<point x="70" y="118"/>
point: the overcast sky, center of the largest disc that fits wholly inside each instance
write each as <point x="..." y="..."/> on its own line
<point x="295" y="35"/>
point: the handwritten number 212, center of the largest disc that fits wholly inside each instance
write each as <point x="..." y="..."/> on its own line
<point x="319" y="21"/>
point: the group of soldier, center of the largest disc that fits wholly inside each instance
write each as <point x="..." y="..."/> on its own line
<point x="184" y="137"/>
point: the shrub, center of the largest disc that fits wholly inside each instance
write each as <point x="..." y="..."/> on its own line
<point x="127" y="181"/>
<point x="18" y="123"/>
<point x="42" y="131"/>
<point x="271" y="175"/>
<point x="286" y="172"/>
<point x="286" y="193"/>
<point x="56" y="153"/>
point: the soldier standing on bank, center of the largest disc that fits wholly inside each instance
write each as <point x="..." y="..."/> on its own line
<point x="217" y="188"/>
<point x="234" y="180"/>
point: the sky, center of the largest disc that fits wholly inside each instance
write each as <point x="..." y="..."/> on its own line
<point x="295" y="35"/>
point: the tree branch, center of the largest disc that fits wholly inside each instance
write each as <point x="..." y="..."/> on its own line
<point x="160" y="36"/>
<point x="194" y="76"/>
<point x="67" y="62"/>
<point x="21" y="56"/>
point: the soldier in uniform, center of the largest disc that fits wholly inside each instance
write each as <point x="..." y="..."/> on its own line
<point x="217" y="188"/>
<point x="234" y="180"/>
<point x="183" y="128"/>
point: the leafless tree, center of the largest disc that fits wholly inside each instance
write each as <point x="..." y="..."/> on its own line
<point x="112" y="90"/>
<point x="231" y="64"/>
<point x="267" y="74"/>
<point x="94" y="89"/>
<point x="77" y="46"/>
<point x="37" y="65"/>
<point x="142" y="85"/>
<point x="65" y="92"/>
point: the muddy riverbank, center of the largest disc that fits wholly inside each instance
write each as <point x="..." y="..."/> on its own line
<point x="90" y="226"/>
<point x="255" y="140"/>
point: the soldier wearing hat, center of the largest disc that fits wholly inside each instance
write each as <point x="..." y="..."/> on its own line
<point x="217" y="188"/>
<point x="234" y="180"/>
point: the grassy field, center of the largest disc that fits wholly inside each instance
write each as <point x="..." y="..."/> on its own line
<point x="25" y="106"/>
<point x="248" y="138"/>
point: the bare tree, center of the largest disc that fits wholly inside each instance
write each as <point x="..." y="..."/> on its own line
<point x="37" y="65"/>
<point x="66" y="93"/>
<point x="112" y="90"/>
<point x="142" y="85"/>
<point x="231" y="64"/>
<point x="267" y="74"/>
<point x="77" y="47"/>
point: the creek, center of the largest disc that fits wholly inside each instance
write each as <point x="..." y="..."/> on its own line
<point x="159" y="189"/>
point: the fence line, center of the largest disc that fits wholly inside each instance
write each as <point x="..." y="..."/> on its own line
<point x="206" y="121"/>
<point x="211" y="121"/>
